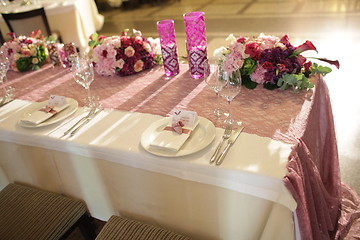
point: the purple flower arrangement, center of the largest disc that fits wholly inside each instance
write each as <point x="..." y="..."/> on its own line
<point x="122" y="55"/>
<point x="270" y="61"/>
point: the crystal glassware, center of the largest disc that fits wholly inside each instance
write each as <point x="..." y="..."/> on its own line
<point x="212" y="79"/>
<point x="232" y="87"/>
<point x="83" y="73"/>
<point x="167" y="37"/>
<point x="8" y="92"/>
<point x="196" y="42"/>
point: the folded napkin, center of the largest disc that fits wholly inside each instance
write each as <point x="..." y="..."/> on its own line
<point x="169" y="139"/>
<point x="46" y="112"/>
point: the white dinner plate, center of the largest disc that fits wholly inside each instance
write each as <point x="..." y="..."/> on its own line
<point x="73" y="106"/>
<point x="201" y="137"/>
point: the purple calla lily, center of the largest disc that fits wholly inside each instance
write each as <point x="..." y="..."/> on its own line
<point x="304" y="47"/>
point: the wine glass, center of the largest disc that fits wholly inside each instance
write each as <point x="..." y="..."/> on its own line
<point x="4" y="67"/>
<point x="211" y="78"/>
<point x="83" y="73"/>
<point x="232" y="87"/>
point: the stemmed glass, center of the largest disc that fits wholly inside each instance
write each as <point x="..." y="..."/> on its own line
<point x="83" y="73"/>
<point x="4" y="67"/>
<point x="232" y="87"/>
<point x="211" y="77"/>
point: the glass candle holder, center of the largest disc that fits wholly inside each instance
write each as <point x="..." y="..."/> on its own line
<point x="167" y="37"/>
<point x="196" y="42"/>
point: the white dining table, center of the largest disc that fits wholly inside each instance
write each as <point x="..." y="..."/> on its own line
<point x="74" y="20"/>
<point x="106" y="165"/>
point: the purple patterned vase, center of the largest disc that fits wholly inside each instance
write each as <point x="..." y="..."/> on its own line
<point x="167" y="37"/>
<point x="196" y="42"/>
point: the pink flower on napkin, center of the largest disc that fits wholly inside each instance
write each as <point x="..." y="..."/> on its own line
<point x="177" y="127"/>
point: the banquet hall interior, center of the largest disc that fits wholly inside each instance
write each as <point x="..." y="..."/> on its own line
<point x="332" y="25"/>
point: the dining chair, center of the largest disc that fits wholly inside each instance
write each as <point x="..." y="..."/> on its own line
<point x="23" y="23"/>
<point x="34" y="214"/>
<point x="120" y="228"/>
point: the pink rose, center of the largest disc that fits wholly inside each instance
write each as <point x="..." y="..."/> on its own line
<point x="26" y="52"/>
<point x="138" y="40"/>
<point x="138" y="66"/>
<point x="129" y="51"/>
<point x="119" y="64"/>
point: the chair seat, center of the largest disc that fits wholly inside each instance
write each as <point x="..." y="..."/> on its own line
<point x="28" y="213"/>
<point x="119" y="228"/>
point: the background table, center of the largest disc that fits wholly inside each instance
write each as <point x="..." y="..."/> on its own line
<point x="74" y="20"/>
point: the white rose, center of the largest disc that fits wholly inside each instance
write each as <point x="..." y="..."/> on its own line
<point x="34" y="61"/>
<point x="17" y="56"/>
<point x="219" y="52"/>
<point x="33" y="51"/>
<point x="231" y="38"/>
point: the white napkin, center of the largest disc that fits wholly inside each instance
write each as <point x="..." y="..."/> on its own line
<point x="168" y="140"/>
<point x="40" y="116"/>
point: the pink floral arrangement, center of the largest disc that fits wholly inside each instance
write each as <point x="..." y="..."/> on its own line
<point x="270" y="61"/>
<point x="25" y="53"/>
<point x="121" y="55"/>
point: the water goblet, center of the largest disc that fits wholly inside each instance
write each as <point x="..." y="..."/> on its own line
<point x="211" y="78"/>
<point x="8" y="92"/>
<point x="83" y="73"/>
<point x="232" y="87"/>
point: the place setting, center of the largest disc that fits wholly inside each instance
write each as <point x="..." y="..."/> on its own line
<point x="58" y="108"/>
<point x="182" y="134"/>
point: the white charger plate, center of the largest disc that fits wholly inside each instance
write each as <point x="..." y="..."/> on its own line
<point x="73" y="106"/>
<point x="200" y="138"/>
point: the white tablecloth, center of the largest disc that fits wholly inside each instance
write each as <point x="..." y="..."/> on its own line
<point x="105" y="164"/>
<point x="75" y="20"/>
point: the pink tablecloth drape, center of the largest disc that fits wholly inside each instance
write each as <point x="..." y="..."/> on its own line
<point x="325" y="208"/>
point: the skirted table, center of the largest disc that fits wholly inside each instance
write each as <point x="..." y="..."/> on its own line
<point x="285" y="162"/>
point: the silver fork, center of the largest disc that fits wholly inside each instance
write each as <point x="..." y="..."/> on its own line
<point x="226" y="136"/>
<point x="91" y="112"/>
<point x="88" y="118"/>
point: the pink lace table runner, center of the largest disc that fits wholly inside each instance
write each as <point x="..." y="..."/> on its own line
<point x="263" y="112"/>
<point x="303" y="119"/>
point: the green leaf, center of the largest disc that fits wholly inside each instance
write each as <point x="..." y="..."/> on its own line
<point x="270" y="86"/>
<point x="23" y="64"/>
<point x="315" y="68"/>
<point x="248" y="67"/>
<point x="95" y="37"/>
<point x="296" y="81"/>
<point x="247" y="82"/>
<point x="92" y="43"/>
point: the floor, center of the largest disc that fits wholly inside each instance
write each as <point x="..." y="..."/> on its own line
<point x="332" y="25"/>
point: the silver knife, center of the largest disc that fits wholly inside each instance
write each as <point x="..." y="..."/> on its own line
<point x="3" y="103"/>
<point x="231" y="141"/>
<point x="85" y="122"/>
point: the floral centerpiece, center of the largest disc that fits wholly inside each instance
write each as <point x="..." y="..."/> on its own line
<point x="25" y="53"/>
<point x="122" y="55"/>
<point x="270" y="61"/>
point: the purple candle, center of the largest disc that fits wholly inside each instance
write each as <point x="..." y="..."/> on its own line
<point x="196" y="42"/>
<point x="167" y="37"/>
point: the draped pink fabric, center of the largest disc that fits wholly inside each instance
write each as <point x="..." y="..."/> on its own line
<point x="326" y="209"/>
